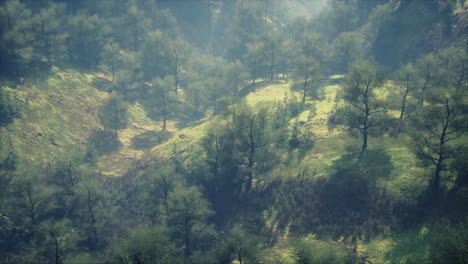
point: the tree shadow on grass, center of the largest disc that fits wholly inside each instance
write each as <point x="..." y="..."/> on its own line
<point x="149" y="139"/>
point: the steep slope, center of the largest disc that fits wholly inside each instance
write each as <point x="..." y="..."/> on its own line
<point x="58" y="115"/>
<point x="58" y="112"/>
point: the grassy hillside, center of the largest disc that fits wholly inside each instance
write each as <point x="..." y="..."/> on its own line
<point x="60" y="112"/>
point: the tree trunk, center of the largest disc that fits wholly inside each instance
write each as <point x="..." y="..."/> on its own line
<point x="461" y="76"/>
<point x="56" y="248"/>
<point x="164" y="111"/>
<point x="113" y="69"/>
<point x="367" y="113"/>
<point x="272" y="64"/>
<point x="166" y="192"/>
<point x="354" y="243"/>
<point x="187" y="250"/>
<point x="32" y="210"/>
<point x="251" y="156"/>
<point x="93" y="221"/>
<point x="304" y="89"/>
<point x="436" y="180"/>
<point x="176" y="70"/>
<point x="426" y="83"/>
<point x="364" y="141"/>
<point x="403" y="104"/>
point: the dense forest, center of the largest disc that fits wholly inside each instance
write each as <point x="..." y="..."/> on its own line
<point x="234" y="131"/>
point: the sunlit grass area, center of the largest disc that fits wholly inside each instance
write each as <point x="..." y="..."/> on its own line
<point x="59" y="112"/>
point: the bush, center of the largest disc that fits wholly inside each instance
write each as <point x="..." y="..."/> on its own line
<point x="102" y="142"/>
<point x="449" y="243"/>
<point x="441" y="243"/>
<point x="150" y="139"/>
<point x="311" y="251"/>
<point x="8" y="108"/>
<point x="102" y="84"/>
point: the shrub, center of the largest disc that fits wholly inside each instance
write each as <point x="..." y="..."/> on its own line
<point x="311" y="251"/>
<point x="102" y="142"/>
<point x="8" y="108"/>
<point x="150" y="139"/>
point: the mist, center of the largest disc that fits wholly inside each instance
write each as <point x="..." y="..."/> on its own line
<point x="233" y="131"/>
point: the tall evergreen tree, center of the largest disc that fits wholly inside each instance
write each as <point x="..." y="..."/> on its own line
<point x="364" y="110"/>
<point x="113" y="113"/>
<point x="16" y="36"/>
<point x="50" y="32"/>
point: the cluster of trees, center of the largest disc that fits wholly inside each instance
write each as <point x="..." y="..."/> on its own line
<point x="66" y="213"/>
<point x="8" y="108"/>
<point x="425" y="105"/>
<point x="149" y="59"/>
<point x="211" y="204"/>
<point x="429" y="96"/>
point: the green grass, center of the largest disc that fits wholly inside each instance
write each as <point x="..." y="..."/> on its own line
<point x="149" y="139"/>
<point x="56" y="113"/>
<point x="405" y="182"/>
<point x="268" y="92"/>
<point x="61" y="110"/>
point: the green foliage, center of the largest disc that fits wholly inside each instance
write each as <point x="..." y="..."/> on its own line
<point x="51" y="36"/>
<point x="416" y="33"/>
<point x="160" y="103"/>
<point x="364" y="111"/>
<point x="86" y="38"/>
<point x="301" y="137"/>
<point x="239" y="245"/>
<point x="8" y="108"/>
<point x="150" y="139"/>
<point x="102" y="84"/>
<point x="307" y="75"/>
<point x="314" y="45"/>
<point x="342" y="18"/>
<point x="16" y="35"/>
<point x="58" y="241"/>
<point x="188" y="213"/>
<point x="442" y="242"/>
<point x="111" y="58"/>
<point x="155" y="56"/>
<point x="144" y="244"/>
<point x="449" y="243"/>
<point x="348" y="47"/>
<point x="101" y="142"/>
<point x="408" y="81"/>
<point x="255" y="164"/>
<point x="351" y="203"/>
<point x="437" y="126"/>
<point x="254" y="60"/>
<point x="134" y="26"/>
<point x="235" y="75"/>
<point x="128" y="76"/>
<point x="311" y="251"/>
<point x="80" y="258"/>
<point x="113" y="114"/>
<point x="10" y="162"/>
<point x="205" y="82"/>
